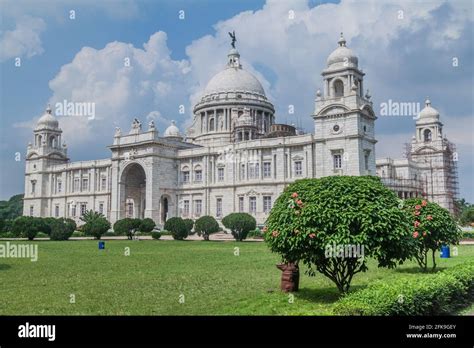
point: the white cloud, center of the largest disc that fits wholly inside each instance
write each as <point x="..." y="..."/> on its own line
<point x="24" y="40"/>
<point x="124" y="82"/>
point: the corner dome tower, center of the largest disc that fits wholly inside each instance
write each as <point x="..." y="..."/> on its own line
<point x="226" y="96"/>
<point x="342" y="57"/>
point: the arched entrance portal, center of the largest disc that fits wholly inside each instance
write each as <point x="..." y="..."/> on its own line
<point x="133" y="192"/>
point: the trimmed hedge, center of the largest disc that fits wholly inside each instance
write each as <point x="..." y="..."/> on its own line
<point x="442" y="293"/>
<point x="155" y="235"/>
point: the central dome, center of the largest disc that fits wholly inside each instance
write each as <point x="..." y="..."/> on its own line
<point x="234" y="80"/>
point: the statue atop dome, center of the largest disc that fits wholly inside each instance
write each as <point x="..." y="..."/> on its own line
<point x="232" y="36"/>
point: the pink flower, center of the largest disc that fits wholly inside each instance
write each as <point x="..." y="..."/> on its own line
<point x="275" y="233"/>
<point x="429" y="217"/>
<point x="415" y="234"/>
<point x="417" y="213"/>
<point x="417" y="223"/>
<point x="417" y="207"/>
<point x="299" y="202"/>
<point x="294" y="195"/>
<point x="312" y="235"/>
<point x="264" y="229"/>
<point x="424" y="203"/>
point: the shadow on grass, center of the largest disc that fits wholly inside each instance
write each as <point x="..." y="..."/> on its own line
<point x="418" y="270"/>
<point x="4" y="267"/>
<point x="324" y="295"/>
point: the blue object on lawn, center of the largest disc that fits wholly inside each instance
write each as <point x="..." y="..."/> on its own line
<point x="101" y="245"/>
<point x="445" y="252"/>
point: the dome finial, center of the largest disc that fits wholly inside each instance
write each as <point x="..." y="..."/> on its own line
<point x="428" y="101"/>
<point x="48" y="109"/>
<point x="342" y="41"/>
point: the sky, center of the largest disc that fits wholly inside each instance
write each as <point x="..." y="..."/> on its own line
<point x="152" y="60"/>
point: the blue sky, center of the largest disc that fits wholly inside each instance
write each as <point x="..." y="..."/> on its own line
<point x="406" y="56"/>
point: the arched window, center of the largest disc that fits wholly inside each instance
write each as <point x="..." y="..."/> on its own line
<point x="52" y="142"/>
<point x="338" y="88"/>
<point x="40" y="140"/>
<point x="211" y="125"/>
<point x="427" y="135"/>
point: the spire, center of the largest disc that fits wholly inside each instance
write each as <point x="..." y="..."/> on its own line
<point x="48" y="109"/>
<point x="342" y="41"/>
<point x="428" y="101"/>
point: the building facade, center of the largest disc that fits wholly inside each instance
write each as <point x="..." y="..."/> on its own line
<point x="233" y="158"/>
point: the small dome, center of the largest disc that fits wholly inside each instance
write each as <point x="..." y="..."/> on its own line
<point x="342" y="56"/>
<point x="47" y="120"/>
<point x="429" y="111"/>
<point x="172" y="131"/>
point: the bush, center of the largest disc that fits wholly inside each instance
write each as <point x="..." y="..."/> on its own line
<point x="432" y="227"/>
<point x="61" y="229"/>
<point x="41" y="235"/>
<point x="147" y="225"/>
<point x="205" y="226"/>
<point x="127" y="227"/>
<point x="95" y="224"/>
<point x="313" y="219"/>
<point x="189" y="225"/>
<point x="435" y="294"/>
<point x="77" y="234"/>
<point x="166" y="233"/>
<point x="177" y="227"/>
<point x="240" y="224"/>
<point x="28" y="227"/>
<point x="467" y="234"/>
<point x="110" y="234"/>
<point x="155" y="235"/>
<point x="256" y="233"/>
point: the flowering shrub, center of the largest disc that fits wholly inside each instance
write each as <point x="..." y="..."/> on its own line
<point x="432" y="227"/>
<point x="344" y="210"/>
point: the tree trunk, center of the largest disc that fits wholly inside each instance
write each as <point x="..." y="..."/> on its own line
<point x="434" y="259"/>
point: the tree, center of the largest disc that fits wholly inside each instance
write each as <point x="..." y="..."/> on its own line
<point x="205" y="226"/>
<point x="62" y="229"/>
<point x="334" y="224"/>
<point x="432" y="227"/>
<point x="12" y="208"/>
<point x="127" y="227"/>
<point x="28" y="227"/>
<point x="467" y="216"/>
<point x="189" y="225"/>
<point x="177" y="227"/>
<point x="147" y="225"/>
<point x="95" y="224"/>
<point x="240" y="224"/>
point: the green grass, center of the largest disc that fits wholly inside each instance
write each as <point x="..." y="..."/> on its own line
<point x="150" y="280"/>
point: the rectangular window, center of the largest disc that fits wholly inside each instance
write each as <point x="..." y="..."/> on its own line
<point x="298" y="168"/>
<point x="366" y="158"/>
<point x="68" y="210"/>
<point x="56" y="210"/>
<point x="241" y="204"/>
<point x="337" y="161"/>
<point x="220" y="174"/>
<point x="267" y="204"/>
<point x="253" y="170"/>
<point x="252" y="205"/>
<point x="73" y="213"/>
<point x="267" y="169"/>
<point x="198" y="207"/>
<point x="60" y="186"/>
<point x="198" y="175"/>
<point x="76" y="184"/>
<point x="242" y="172"/>
<point x="83" y="208"/>
<point x="101" y="208"/>
<point x="130" y="209"/>
<point x="103" y="184"/>
<point x="186" y="208"/>
<point x="219" y="207"/>
<point x="31" y="210"/>
<point x="85" y="184"/>
<point x="33" y="186"/>
<point x="185" y="176"/>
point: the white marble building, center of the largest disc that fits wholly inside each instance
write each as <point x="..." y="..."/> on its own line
<point x="233" y="158"/>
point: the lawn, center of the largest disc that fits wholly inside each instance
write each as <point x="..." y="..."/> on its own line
<point x="152" y="279"/>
